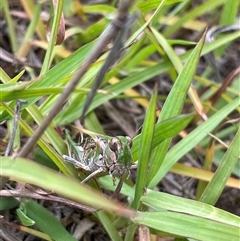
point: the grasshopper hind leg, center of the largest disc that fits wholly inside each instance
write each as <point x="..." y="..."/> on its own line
<point x="92" y="175"/>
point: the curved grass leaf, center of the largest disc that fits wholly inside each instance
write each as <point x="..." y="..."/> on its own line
<point x="54" y="138"/>
<point x="92" y="32"/>
<point x="46" y="222"/>
<point x="57" y="73"/>
<point x="53" y="36"/>
<point x="8" y="203"/>
<point x="128" y="189"/>
<point x="174" y="104"/>
<point x="164" y="201"/>
<point x="13" y="94"/>
<point x="108" y="225"/>
<point x="187" y="226"/>
<point x="201" y="174"/>
<point x="30" y="172"/>
<point x="145" y="148"/>
<point x="98" y="8"/>
<point x="55" y="157"/>
<point x="195" y="12"/>
<point x="228" y="17"/>
<point x="192" y="139"/>
<point x="153" y="4"/>
<point x="163" y="130"/>
<point x="218" y="182"/>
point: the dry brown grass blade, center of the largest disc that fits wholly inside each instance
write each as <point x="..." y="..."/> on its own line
<point x="227" y="82"/>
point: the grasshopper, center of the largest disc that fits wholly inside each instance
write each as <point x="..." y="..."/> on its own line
<point x="101" y="154"/>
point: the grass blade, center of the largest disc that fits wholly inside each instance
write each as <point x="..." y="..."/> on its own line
<point x="173" y="105"/>
<point x="192" y="139"/>
<point x="159" y="201"/>
<point x="29" y="172"/>
<point x="187" y="226"/>
<point x="46" y="222"/>
<point x="218" y="182"/>
<point x="163" y="130"/>
<point x="145" y="148"/>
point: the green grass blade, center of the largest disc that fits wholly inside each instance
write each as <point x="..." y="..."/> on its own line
<point x="118" y="88"/>
<point x="4" y="77"/>
<point x="164" y="201"/>
<point x="13" y="94"/>
<point x="228" y="17"/>
<point x="192" y="139"/>
<point x="174" y="58"/>
<point x="11" y="28"/>
<point x="153" y="4"/>
<point x="53" y="36"/>
<point x="55" y="157"/>
<point x="224" y="170"/>
<point x="197" y="11"/>
<point x="7" y="203"/>
<point x="46" y="222"/>
<point x="108" y="225"/>
<point x="92" y="123"/>
<point x="187" y="226"/>
<point x="30" y="172"/>
<point x="54" y="138"/>
<point x="145" y="148"/>
<point x="163" y="130"/>
<point x="57" y="73"/>
<point x="229" y="13"/>
<point x="30" y="31"/>
<point x="98" y="8"/>
<point x="173" y="105"/>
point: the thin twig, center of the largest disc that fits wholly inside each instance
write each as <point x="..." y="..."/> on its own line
<point x="4" y="233"/>
<point x="30" y="194"/>
<point x="118" y="44"/>
<point x="105" y="38"/>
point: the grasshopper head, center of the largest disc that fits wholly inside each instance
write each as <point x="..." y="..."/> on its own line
<point x="121" y="146"/>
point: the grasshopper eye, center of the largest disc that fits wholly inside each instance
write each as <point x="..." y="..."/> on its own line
<point x="113" y="144"/>
<point x="129" y="141"/>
